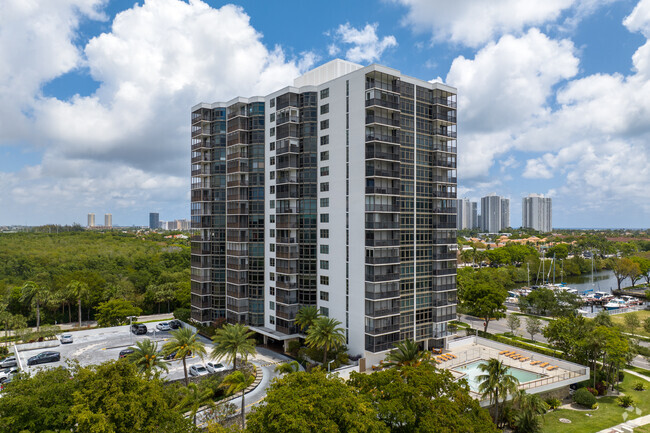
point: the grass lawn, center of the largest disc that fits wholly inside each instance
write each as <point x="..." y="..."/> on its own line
<point x="536" y="317"/>
<point x="639" y="370"/>
<point x="608" y="414"/>
<point x="619" y="319"/>
<point x="643" y="429"/>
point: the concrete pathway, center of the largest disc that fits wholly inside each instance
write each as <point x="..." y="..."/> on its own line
<point x="628" y="425"/>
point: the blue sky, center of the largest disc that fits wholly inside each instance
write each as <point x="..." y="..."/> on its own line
<point x="554" y="96"/>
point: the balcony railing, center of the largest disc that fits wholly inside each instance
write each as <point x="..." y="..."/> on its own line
<point x="382" y="295"/>
<point x="287" y="149"/>
<point x="382" y="242"/>
<point x="445" y="102"/>
<point x="382" y="190"/>
<point x="378" y="172"/>
<point x="381" y="120"/>
<point x="382" y="207"/>
<point x="383" y="313"/>
<point x="443" y="131"/>
<point x="450" y="271"/>
<point x="382" y="86"/>
<point x="286" y="284"/>
<point x="381" y="330"/>
<point x="382" y="155"/>
<point x="382" y="137"/>
<point x="379" y="225"/>
<point x="382" y="103"/>
<point x="382" y="260"/>
<point x="382" y="277"/>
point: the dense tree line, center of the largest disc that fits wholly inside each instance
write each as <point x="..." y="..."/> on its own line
<point x="69" y="274"/>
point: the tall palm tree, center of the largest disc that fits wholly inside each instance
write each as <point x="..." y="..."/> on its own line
<point x="233" y="340"/>
<point x="306" y="317"/>
<point x="184" y="343"/>
<point x="236" y="382"/>
<point x="407" y="353"/>
<point x="78" y="290"/>
<point x="36" y="293"/>
<point x="146" y="358"/>
<point x="194" y="398"/>
<point x="496" y="383"/>
<point x="528" y="408"/>
<point x="288" y="367"/>
<point x="326" y="334"/>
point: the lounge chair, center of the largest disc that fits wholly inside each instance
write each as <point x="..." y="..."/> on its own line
<point x="453" y="356"/>
<point x="544" y="364"/>
<point x="524" y="359"/>
<point x="438" y="361"/>
<point x="503" y="352"/>
<point x="552" y="368"/>
<point x="535" y="362"/>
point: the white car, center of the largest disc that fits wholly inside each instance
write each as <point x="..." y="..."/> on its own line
<point x="198" y="370"/>
<point x="214" y="367"/>
<point x="7" y="373"/>
<point x="163" y="326"/>
<point x="66" y="339"/>
<point x="9" y="362"/>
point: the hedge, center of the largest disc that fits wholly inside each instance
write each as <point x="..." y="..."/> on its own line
<point x="522" y="345"/>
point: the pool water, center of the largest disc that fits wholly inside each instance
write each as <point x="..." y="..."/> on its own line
<point x="472" y="372"/>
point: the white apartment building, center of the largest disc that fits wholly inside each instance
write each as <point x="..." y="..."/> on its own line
<point x="467" y="214"/>
<point x="537" y="213"/>
<point x="495" y="213"/>
<point x="339" y="192"/>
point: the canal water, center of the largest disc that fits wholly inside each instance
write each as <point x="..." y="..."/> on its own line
<point x="603" y="281"/>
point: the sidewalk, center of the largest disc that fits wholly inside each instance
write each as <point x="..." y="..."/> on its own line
<point x="628" y="425"/>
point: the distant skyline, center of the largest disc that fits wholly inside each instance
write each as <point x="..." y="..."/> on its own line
<point x="553" y="96"/>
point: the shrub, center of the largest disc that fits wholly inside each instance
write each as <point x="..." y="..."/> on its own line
<point x="294" y="347"/>
<point x="639" y="386"/>
<point x="584" y="398"/>
<point x="594" y="391"/>
<point x="625" y="401"/>
<point x="601" y="388"/>
<point x="182" y="314"/>
<point x="621" y="376"/>
<point x="553" y="403"/>
<point x="4" y="351"/>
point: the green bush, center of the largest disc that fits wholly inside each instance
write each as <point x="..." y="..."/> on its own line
<point x="294" y="347"/>
<point x="4" y="351"/>
<point x="621" y="376"/>
<point x="625" y="401"/>
<point x="553" y="403"/>
<point x="584" y="398"/>
<point x="639" y="386"/>
<point x="182" y="314"/>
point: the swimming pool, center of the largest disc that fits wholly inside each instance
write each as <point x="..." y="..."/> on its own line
<point x="471" y="372"/>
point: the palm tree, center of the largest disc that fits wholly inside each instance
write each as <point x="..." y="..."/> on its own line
<point x="288" y="367"/>
<point x="146" y="358"/>
<point x="407" y="353"/>
<point x="236" y="382"/>
<point x="78" y="290"/>
<point x="194" y="398"/>
<point x="325" y="333"/>
<point x="306" y="317"/>
<point x="528" y="408"/>
<point x="233" y="340"/>
<point x="33" y="292"/>
<point x="183" y="344"/>
<point x="497" y="382"/>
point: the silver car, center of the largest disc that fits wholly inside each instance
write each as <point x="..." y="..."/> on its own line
<point x="214" y="367"/>
<point x="163" y="326"/>
<point x="8" y="373"/>
<point x="66" y="339"/>
<point x="198" y="370"/>
<point x="9" y="362"/>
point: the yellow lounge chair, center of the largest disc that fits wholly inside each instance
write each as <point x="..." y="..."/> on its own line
<point x="535" y="362"/>
<point x="515" y="356"/>
<point x="453" y="356"/>
<point x="524" y="359"/>
<point x="438" y="361"/>
<point x="552" y="368"/>
<point x="503" y="352"/>
<point x="544" y="364"/>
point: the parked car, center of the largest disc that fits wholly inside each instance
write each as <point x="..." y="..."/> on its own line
<point x="175" y="324"/>
<point x="198" y="370"/>
<point x="126" y="352"/>
<point x="163" y="326"/>
<point x="44" y="357"/>
<point x="9" y="362"/>
<point x="173" y="354"/>
<point x="138" y="329"/>
<point x="7" y="374"/>
<point x="66" y="339"/>
<point x="215" y="367"/>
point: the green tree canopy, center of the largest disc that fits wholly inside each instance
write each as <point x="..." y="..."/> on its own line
<point x="325" y="334"/>
<point x="313" y="402"/>
<point x="484" y="300"/>
<point x="184" y="343"/>
<point x="115" y="312"/>
<point x="233" y="340"/>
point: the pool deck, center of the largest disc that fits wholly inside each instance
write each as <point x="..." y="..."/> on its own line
<point x="469" y="349"/>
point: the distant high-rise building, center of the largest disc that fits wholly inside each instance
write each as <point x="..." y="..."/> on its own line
<point x="467" y="214"/>
<point x="154" y="221"/>
<point x="338" y="192"/>
<point x="108" y="220"/>
<point x="537" y="213"/>
<point x="495" y="213"/>
<point x="91" y="220"/>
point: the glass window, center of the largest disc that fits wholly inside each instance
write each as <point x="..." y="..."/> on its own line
<point x="325" y="156"/>
<point x="272" y="204"/>
<point x="272" y="103"/>
<point x="325" y="280"/>
<point x="271" y="276"/>
<point x="272" y="320"/>
<point x="324" y="109"/>
<point x="324" y="186"/>
<point x="271" y="261"/>
<point x="272" y="175"/>
<point x="324" y="264"/>
<point x="271" y="233"/>
<point x="272" y="218"/>
<point x="325" y="139"/>
<point x="323" y="93"/>
<point x="325" y="311"/>
<point x="272" y="189"/>
<point x="271" y="305"/>
<point x="324" y="249"/>
<point x="324" y="296"/>
<point x="324" y="202"/>
<point x="324" y="171"/>
<point x="272" y="248"/>
<point x="324" y="124"/>
<point x="272" y="146"/>
<point x="324" y="233"/>
<point x="324" y="217"/>
<point x="272" y="133"/>
<point x="273" y="160"/>
<point x="272" y="291"/>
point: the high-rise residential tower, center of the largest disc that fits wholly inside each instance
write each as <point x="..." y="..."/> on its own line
<point x="467" y="214"/>
<point x="537" y="213"/>
<point x="495" y="213"/>
<point x="154" y="221"/>
<point x="108" y="220"/>
<point x="337" y="192"/>
<point x="91" y="220"/>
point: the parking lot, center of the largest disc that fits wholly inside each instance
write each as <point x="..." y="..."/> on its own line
<point x="95" y="346"/>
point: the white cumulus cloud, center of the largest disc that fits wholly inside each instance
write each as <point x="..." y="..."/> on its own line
<point x="366" y="45"/>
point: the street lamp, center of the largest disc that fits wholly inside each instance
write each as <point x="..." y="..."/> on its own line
<point x="328" y="365"/>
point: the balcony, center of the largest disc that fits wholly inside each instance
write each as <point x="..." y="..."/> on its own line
<point x="289" y="285"/>
<point x="286" y="210"/>
<point x="382" y="277"/>
<point x="288" y="270"/>
<point x="371" y="118"/>
<point x="444" y="225"/>
<point x="379" y="172"/>
<point x="443" y="163"/>
<point x="202" y="131"/>
<point x="383" y="225"/>
<point x="444" y="179"/>
<point x="237" y="237"/>
<point x="281" y="150"/>
<point x="382" y="137"/>
<point x="383" y="313"/>
<point x="382" y="242"/>
<point x="376" y="102"/>
<point x="237" y="253"/>
<point x="200" y="278"/>
<point x="285" y="240"/>
<point x="451" y="210"/>
<point x="444" y="148"/>
<point x="286" y="222"/>
<point x="382" y="207"/>
<point x="391" y="87"/>
<point x="444" y="241"/>
<point x="286" y="192"/>
<point x="279" y="120"/>
<point x="444" y="101"/>
<point x="290" y="253"/>
<point x="237" y="280"/>
<point x="382" y="155"/>
<point x="382" y="260"/>
<point x="445" y="194"/>
<point x="382" y="295"/>
<point x="450" y="271"/>
<point x="382" y="330"/>
<point x="284" y="180"/>
<point x="291" y="163"/>
<point x="444" y="256"/>
<point x="443" y="131"/>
